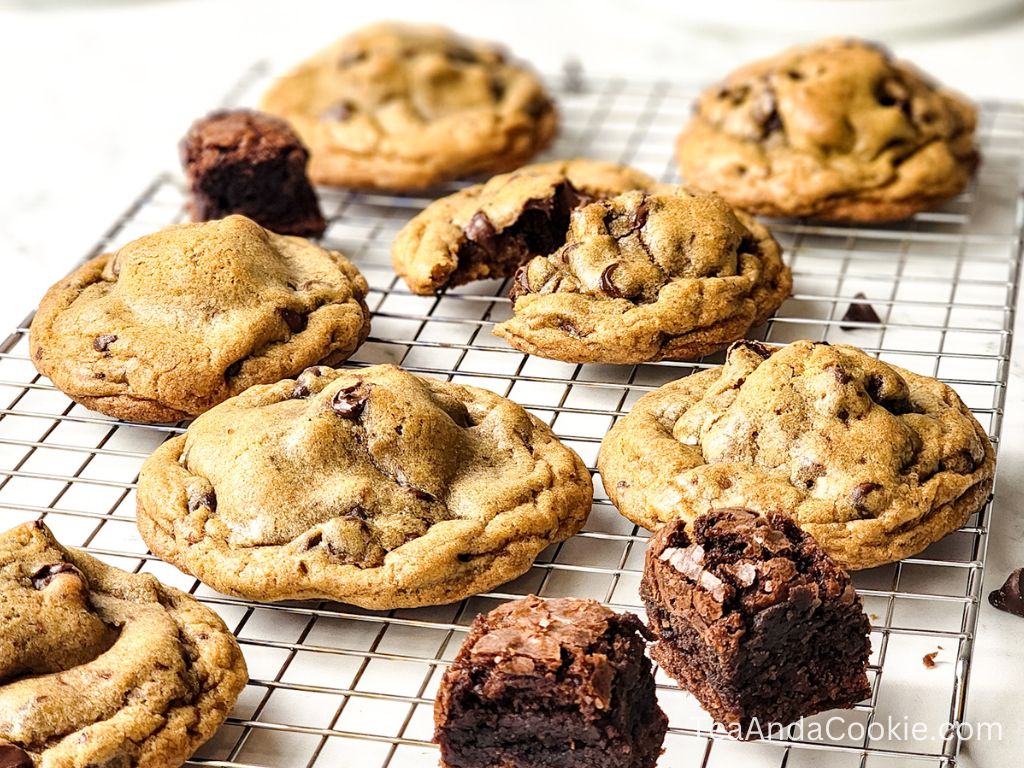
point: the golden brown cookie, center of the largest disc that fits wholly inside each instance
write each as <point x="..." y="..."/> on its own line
<point x="372" y="487"/>
<point x="648" y="276"/>
<point x="99" y="667"/>
<point x="399" y="106"/>
<point x="177" y="321"/>
<point x="489" y="230"/>
<point x="874" y="461"/>
<point x="839" y="130"/>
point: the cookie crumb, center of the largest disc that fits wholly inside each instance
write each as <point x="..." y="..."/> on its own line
<point x="929" y="659"/>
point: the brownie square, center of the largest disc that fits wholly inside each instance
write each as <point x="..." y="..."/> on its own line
<point x="550" y="684"/>
<point x="755" y="620"/>
<point x="252" y="164"/>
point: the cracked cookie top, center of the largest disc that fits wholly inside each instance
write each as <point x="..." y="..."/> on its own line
<point x="178" y="321"/>
<point x="399" y="106"/>
<point x="489" y="230"/>
<point x="874" y="461"/>
<point x="839" y="130"/>
<point x="102" y="667"/>
<point x="373" y="487"/>
<point x="647" y="276"/>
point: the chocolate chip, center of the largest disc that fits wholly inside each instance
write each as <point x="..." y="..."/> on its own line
<point x="1009" y="597"/>
<point x="520" y="284"/>
<point x="570" y="328"/>
<point x="14" y="757"/>
<point x="301" y="392"/>
<point x="207" y="499"/>
<point x="842" y="377"/>
<point x="296" y="322"/>
<point x="537" y="106"/>
<point x="859" y="495"/>
<point x="358" y="512"/>
<point x="340" y="111"/>
<point x="765" y="112"/>
<point x="314" y="541"/>
<point x="859" y="312"/>
<point x="233" y="370"/>
<point x="757" y="347"/>
<point x="41" y="579"/>
<point x="462" y="55"/>
<point x="101" y="343"/>
<point x="482" y="232"/>
<point x="349" y="401"/>
<point x="606" y="281"/>
<point x="349" y="58"/>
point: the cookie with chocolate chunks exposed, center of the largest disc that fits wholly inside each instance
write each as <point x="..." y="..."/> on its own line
<point x="177" y="321"/>
<point x="373" y="487"/>
<point x="874" y="461"/>
<point x="99" y="667"/>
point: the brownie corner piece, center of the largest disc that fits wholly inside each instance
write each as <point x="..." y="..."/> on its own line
<point x="550" y="684"/>
<point x="755" y="620"/>
<point x="250" y="163"/>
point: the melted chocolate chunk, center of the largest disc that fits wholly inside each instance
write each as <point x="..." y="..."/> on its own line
<point x="301" y="392"/>
<point x="859" y="495"/>
<point x="606" y="281"/>
<point x="757" y="347"/>
<point x="198" y="500"/>
<point x="102" y="343"/>
<point x="14" y="757"/>
<point x="41" y="579"/>
<point x="340" y="112"/>
<point x="296" y="322"/>
<point x="1010" y="596"/>
<point x="859" y="312"/>
<point x="350" y="401"/>
<point x="482" y="232"/>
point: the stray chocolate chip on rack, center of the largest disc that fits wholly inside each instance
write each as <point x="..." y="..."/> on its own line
<point x="860" y="312"/>
<point x="1008" y="597"/>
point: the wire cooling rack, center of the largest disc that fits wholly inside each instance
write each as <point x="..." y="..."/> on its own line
<point x="334" y="685"/>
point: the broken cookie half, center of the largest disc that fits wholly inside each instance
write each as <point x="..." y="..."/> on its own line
<point x="489" y="230"/>
<point x="644" y="276"/>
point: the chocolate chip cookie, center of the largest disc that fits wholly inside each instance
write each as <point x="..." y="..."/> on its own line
<point x="874" y="461"/>
<point x="489" y="230"/>
<point x="398" y="106"/>
<point x="648" y="276"/>
<point x="177" y="321"/>
<point x="839" y="130"/>
<point x="372" y="487"/>
<point x="99" y="667"/>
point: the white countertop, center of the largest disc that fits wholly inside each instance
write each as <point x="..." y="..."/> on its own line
<point x="96" y="97"/>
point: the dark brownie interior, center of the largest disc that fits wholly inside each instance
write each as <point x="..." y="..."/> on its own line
<point x="252" y="164"/>
<point x="754" y="619"/>
<point x="559" y="683"/>
<point x="539" y="230"/>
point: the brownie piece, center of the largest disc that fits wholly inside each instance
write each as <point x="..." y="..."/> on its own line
<point x="550" y="683"/>
<point x="251" y="163"/>
<point x="755" y="619"/>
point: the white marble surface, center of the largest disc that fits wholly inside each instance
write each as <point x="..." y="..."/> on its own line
<point x="96" y="95"/>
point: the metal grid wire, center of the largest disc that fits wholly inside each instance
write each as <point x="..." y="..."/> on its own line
<point x="335" y="685"/>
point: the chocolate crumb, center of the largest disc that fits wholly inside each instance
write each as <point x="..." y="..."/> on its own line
<point x="102" y="343"/>
<point x="1008" y="597"/>
<point x="859" y="312"/>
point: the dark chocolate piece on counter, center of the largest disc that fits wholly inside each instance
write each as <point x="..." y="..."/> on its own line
<point x="755" y="619"/>
<point x="1008" y="597"/>
<point x="250" y="163"/>
<point x="542" y="683"/>
<point x="12" y="756"/>
<point x="859" y="311"/>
